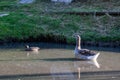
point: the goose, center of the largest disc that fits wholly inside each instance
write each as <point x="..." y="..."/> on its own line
<point x="28" y="48"/>
<point x="84" y="53"/>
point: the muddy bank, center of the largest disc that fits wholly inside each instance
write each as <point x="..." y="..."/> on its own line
<point x="63" y="40"/>
<point x="101" y="43"/>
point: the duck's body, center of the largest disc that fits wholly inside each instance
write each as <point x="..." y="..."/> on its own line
<point x="84" y="53"/>
<point x="31" y="48"/>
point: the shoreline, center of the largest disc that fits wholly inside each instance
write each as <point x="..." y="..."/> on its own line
<point x="112" y="44"/>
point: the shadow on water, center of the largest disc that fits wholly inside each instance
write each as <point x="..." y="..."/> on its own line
<point x="64" y="59"/>
<point x="47" y="59"/>
<point x="60" y="59"/>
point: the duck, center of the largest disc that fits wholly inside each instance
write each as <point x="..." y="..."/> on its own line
<point x="84" y="53"/>
<point x="28" y="48"/>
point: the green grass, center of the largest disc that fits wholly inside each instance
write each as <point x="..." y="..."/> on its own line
<point x="26" y="22"/>
<point x="22" y="26"/>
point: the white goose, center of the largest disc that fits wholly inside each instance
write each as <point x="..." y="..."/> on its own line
<point x="84" y="53"/>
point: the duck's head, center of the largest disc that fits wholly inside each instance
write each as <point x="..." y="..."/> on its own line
<point x="27" y="46"/>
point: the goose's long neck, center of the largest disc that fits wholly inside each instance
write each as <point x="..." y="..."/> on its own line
<point x="78" y="43"/>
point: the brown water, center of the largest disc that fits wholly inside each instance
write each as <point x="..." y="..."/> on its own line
<point x="56" y="62"/>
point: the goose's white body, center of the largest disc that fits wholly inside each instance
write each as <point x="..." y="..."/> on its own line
<point x="92" y="57"/>
<point x="84" y="53"/>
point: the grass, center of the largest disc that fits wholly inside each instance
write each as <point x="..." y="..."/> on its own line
<point x="28" y="23"/>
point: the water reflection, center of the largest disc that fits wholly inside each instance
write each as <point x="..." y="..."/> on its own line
<point x="94" y="62"/>
<point x="28" y="53"/>
<point x="64" y="71"/>
<point x="85" y="65"/>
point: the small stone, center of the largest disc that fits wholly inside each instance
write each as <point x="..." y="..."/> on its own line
<point x="26" y="1"/>
<point x="63" y="1"/>
<point x="4" y="14"/>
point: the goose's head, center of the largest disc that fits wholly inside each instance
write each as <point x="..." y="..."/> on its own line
<point x="77" y="37"/>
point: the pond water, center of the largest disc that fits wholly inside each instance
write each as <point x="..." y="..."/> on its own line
<point x="56" y="62"/>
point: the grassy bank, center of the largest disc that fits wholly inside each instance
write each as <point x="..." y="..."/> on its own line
<point x="32" y="25"/>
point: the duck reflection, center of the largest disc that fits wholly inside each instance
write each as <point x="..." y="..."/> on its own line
<point x="31" y="53"/>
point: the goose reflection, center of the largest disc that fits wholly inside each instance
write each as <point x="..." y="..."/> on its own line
<point x="94" y="62"/>
<point x="87" y="64"/>
<point x="80" y="65"/>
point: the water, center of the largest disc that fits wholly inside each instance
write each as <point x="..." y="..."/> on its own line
<point x="56" y="62"/>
